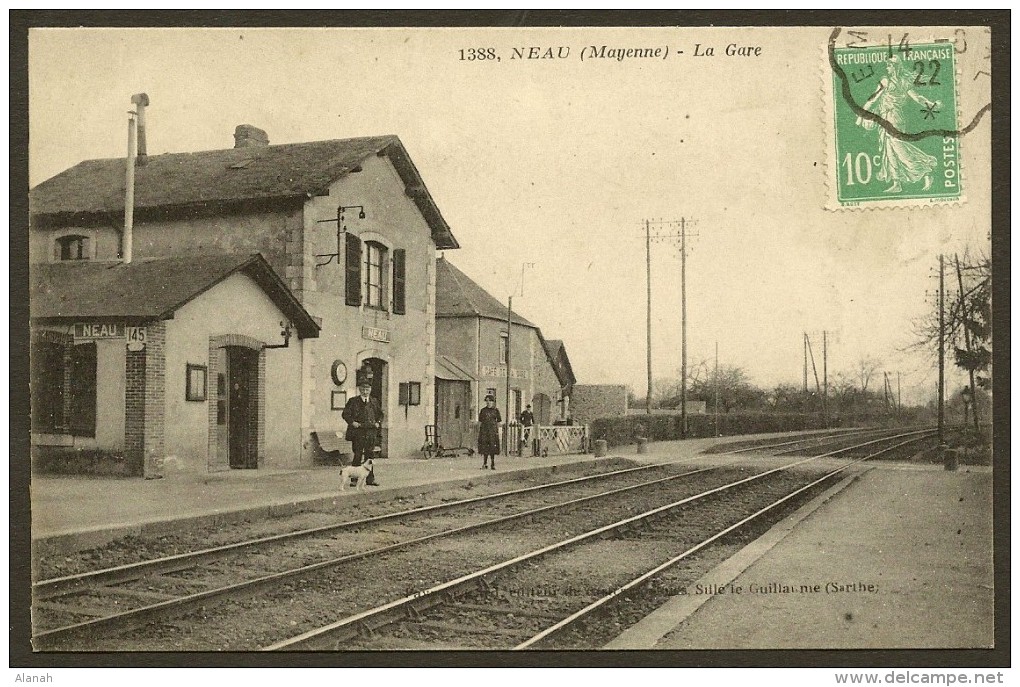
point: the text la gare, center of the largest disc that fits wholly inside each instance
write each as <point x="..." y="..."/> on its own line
<point x="732" y="50"/>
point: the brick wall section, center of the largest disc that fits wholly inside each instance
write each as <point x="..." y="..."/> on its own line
<point x="65" y="420"/>
<point x="259" y="432"/>
<point x="215" y="462"/>
<point x="134" y="410"/>
<point x="592" y="401"/>
<point x="154" y="394"/>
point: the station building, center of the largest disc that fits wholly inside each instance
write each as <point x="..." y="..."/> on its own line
<point x="346" y="235"/>
<point x="473" y="342"/>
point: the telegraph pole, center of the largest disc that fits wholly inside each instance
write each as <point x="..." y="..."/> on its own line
<point x="683" y="308"/>
<point x="509" y="340"/>
<point x="717" y="389"/>
<point x="683" y="328"/>
<point x="966" y="338"/>
<point x="825" y="377"/>
<point x="509" y="348"/>
<point x="805" y="362"/>
<point x="648" y="271"/>
<point x="942" y="352"/>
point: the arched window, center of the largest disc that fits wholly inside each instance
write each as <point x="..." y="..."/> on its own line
<point x="376" y="273"/>
<point x="73" y="247"/>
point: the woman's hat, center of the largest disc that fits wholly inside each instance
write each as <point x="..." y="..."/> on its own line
<point x="490" y="398"/>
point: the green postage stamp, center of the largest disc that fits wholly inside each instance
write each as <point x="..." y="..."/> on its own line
<point x="894" y="109"/>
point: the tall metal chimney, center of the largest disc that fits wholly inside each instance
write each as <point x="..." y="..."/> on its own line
<point x="141" y="101"/>
<point x="129" y="194"/>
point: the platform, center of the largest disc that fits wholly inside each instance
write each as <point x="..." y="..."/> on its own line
<point x="72" y="513"/>
<point x="901" y="558"/>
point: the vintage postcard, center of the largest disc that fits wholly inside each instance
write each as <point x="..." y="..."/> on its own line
<point x="519" y="339"/>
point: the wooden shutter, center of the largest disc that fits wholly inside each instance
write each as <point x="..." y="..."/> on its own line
<point x="353" y="288"/>
<point x="399" y="259"/>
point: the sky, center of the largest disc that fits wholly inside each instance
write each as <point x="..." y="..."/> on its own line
<point x="558" y="163"/>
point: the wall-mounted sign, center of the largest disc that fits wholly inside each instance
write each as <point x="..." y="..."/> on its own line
<point x="98" y="330"/>
<point x="500" y="372"/>
<point x="375" y="334"/>
<point x="109" y="330"/>
<point x="135" y="335"/>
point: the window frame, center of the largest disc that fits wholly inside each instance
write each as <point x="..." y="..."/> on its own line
<point x="190" y="392"/>
<point x="67" y="389"/>
<point x="64" y="243"/>
<point x="504" y="348"/>
<point x="379" y="289"/>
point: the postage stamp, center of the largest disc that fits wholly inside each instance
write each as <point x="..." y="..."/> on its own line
<point x="894" y="110"/>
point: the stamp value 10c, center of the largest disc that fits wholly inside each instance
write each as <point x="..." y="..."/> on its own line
<point x="895" y="124"/>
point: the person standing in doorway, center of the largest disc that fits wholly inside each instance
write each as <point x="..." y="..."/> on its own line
<point x="363" y="416"/>
<point x="489" y="420"/>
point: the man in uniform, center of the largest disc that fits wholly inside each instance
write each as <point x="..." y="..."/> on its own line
<point x="527" y="421"/>
<point x="364" y="420"/>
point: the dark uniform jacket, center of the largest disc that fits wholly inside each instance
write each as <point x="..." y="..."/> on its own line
<point x="367" y="414"/>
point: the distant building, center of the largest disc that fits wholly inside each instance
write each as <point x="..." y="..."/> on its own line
<point x="593" y="401"/>
<point x="472" y="347"/>
<point x="349" y="230"/>
<point x="565" y="373"/>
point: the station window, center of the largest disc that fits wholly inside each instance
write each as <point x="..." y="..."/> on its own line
<point x="63" y="386"/>
<point x="375" y="275"/>
<point x="504" y="347"/>
<point x="73" y="247"/>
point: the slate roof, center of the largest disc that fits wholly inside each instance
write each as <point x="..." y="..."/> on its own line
<point x="149" y="289"/>
<point x="448" y="368"/>
<point x="557" y="353"/>
<point x="457" y="295"/>
<point x="93" y="190"/>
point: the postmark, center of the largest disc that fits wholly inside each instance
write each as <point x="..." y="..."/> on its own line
<point x="895" y="130"/>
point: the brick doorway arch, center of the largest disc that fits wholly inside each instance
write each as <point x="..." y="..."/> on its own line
<point x="237" y="370"/>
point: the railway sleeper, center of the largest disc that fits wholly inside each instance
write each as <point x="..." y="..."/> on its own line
<point x="461" y="628"/>
<point x="504" y="610"/>
<point x="76" y="610"/>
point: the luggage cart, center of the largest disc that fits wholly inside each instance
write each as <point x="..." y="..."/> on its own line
<point x="433" y="448"/>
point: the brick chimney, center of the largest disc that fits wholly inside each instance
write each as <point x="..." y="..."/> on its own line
<point x="248" y="136"/>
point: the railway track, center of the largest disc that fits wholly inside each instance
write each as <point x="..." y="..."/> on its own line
<point x="521" y="603"/>
<point x="113" y="600"/>
<point x="127" y="596"/>
<point x="813" y="441"/>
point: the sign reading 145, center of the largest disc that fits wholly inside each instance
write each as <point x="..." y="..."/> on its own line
<point x="859" y="168"/>
<point x="135" y="334"/>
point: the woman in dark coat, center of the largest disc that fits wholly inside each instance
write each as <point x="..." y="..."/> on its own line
<point x="488" y="432"/>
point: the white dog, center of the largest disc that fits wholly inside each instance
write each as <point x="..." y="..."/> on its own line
<point x="359" y="471"/>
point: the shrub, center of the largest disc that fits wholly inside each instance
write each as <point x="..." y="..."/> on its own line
<point x="617" y="431"/>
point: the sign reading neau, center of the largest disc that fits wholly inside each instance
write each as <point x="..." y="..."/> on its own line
<point x="375" y="334"/>
<point x="98" y="330"/>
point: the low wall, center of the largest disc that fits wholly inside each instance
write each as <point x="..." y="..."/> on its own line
<point x="66" y="460"/>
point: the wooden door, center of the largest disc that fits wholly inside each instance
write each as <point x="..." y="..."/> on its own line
<point x="242" y="408"/>
<point x="453" y="412"/>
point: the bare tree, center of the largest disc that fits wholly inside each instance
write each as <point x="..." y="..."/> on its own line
<point x="967" y="321"/>
<point x="866" y="369"/>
